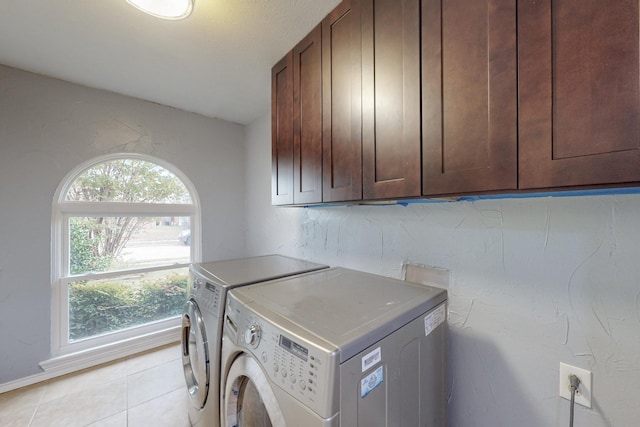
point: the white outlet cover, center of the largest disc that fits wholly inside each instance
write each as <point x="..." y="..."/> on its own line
<point x="583" y="395"/>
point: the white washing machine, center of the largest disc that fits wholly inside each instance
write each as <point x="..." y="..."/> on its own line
<point x="202" y="322"/>
<point x="334" y="348"/>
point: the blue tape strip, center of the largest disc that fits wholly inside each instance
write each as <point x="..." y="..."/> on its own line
<point x="568" y="193"/>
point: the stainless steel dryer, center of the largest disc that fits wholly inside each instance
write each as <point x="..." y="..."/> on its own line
<point x="202" y="322"/>
<point x="334" y="348"/>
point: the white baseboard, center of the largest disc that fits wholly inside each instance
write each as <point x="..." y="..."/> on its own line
<point x="68" y="363"/>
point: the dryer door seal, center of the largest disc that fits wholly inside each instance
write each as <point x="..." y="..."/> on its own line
<point x="195" y="354"/>
<point x="248" y="397"/>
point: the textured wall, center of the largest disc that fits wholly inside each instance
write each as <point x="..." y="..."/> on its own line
<point x="47" y="128"/>
<point x="533" y="282"/>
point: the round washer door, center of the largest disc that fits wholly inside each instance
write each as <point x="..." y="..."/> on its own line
<point x="248" y="397"/>
<point x="195" y="354"/>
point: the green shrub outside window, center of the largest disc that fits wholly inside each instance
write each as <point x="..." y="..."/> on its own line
<point x="104" y="306"/>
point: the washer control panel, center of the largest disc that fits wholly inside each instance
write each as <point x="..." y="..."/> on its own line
<point x="299" y="367"/>
<point x="207" y="294"/>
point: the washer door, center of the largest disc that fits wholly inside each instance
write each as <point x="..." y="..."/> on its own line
<point x="195" y="354"/>
<point x="249" y="400"/>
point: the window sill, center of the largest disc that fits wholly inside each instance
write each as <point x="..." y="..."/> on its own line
<point x="109" y="352"/>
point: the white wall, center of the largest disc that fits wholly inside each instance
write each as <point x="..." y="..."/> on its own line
<point x="534" y="282"/>
<point x="48" y="127"/>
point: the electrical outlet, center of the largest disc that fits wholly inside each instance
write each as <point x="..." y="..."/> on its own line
<point x="583" y="394"/>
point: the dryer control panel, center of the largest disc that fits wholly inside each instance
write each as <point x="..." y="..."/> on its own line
<point x="297" y="365"/>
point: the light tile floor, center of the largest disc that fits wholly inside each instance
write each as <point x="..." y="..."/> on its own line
<point x="140" y="391"/>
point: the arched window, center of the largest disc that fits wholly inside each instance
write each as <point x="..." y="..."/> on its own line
<point x="125" y="229"/>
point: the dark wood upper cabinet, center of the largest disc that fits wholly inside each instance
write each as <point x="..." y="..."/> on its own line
<point x="469" y="98"/>
<point x="307" y="119"/>
<point x="342" y="103"/>
<point x="579" y="94"/>
<point x="282" y="131"/>
<point x="391" y="98"/>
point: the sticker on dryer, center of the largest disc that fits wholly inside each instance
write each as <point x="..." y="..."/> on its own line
<point x="371" y="359"/>
<point x="434" y="319"/>
<point x="371" y="381"/>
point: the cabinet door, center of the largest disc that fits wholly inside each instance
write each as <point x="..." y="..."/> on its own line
<point x="469" y="64"/>
<point x="391" y="98"/>
<point x="307" y="124"/>
<point x="342" y="103"/>
<point x="579" y="99"/>
<point x="282" y="132"/>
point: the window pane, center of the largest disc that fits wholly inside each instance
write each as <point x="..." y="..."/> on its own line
<point x="129" y="181"/>
<point x="97" y="307"/>
<point x="98" y="244"/>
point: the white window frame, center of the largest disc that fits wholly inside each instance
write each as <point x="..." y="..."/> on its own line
<point x="60" y="275"/>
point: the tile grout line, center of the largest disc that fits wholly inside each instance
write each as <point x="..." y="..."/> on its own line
<point x="35" y="411"/>
<point x="126" y="392"/>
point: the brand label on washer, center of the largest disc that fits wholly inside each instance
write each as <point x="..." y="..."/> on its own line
<point x="434" y="319"/>
<point x="371" y="381"/>
<point x="371" y="359"/>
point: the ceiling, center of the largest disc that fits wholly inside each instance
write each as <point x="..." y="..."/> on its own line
<point x="217" y="62"/>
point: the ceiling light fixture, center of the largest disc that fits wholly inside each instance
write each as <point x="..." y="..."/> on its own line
<point x="166" y="9"/>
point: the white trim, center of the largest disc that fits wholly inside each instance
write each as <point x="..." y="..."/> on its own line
<point x="118" y="273"/>
<point x="123" y="335"/>
<point x="133" y="209"/>
<point x="63" y="365"/>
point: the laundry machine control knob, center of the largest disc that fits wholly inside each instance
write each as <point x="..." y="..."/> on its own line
<point x="252" y="335"/>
